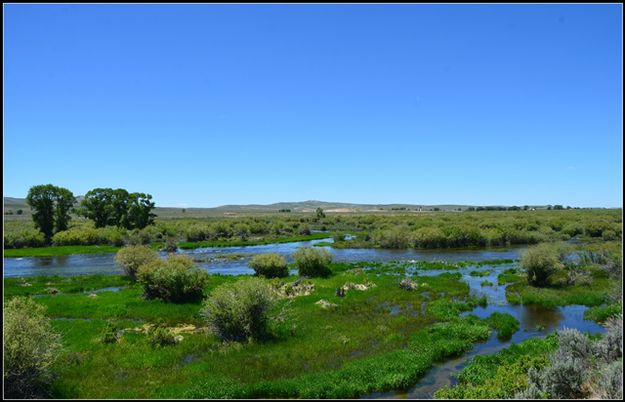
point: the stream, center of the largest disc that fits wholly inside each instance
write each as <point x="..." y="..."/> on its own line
<point x="215" y="261"/>
<point x="535" y="321"/>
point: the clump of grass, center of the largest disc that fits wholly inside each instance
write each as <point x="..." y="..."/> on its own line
<point x="510" y="275"/>
<point x="602" y="313"/>
<point x="479" y="273"/>
<point x="505" y="325"/>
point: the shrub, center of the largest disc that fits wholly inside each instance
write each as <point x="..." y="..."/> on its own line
<point x="610" y="347"/>
<point x="573" y="345"/>
<point x="30" y="348"/>
<point x="86" y="236"/>
<point x="269" y="265"/>
<point x="313" y="262"/>
<point x="611" y="381"/>
<point x="24" y="238"/>
<point x="238" y="311"/>
<point x="540" y="262"/>
<point x="174" y="280"/>
<point x="160" y="336"/>
<point x="132" y="257"/>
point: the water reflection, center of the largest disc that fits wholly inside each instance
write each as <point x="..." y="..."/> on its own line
<point x="81" y="264"/>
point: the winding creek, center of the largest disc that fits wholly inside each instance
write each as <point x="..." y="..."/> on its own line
<point x="535" y="321"/>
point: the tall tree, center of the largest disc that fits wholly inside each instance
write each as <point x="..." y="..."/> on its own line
<point x="320" y="213"/>
<point x="64" y="203"/>
<point x="50" y="206"/>
<point x="98" y="206"/>
<point x="140" y="211"/>
<point x="118" y="208"/>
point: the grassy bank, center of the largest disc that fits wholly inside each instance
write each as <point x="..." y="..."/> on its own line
<point x="55" y="251"/>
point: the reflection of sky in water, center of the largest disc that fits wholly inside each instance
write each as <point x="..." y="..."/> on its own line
<point x="104" y="264"/>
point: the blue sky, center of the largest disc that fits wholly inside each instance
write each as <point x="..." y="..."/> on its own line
<point x="205" y="105"/>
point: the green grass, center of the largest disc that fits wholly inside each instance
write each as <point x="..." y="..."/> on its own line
<point x="594" y="294"/>
<point x="357" y="347"/>
<point x="38" y="285"/>
<point x="55" y="251"/>
<point x="479" y="273"/>
<point x="510" y="276"/>
<point x="602" y="313"/>
<point x="505" y="325"/>
<point x="503" y="374"/>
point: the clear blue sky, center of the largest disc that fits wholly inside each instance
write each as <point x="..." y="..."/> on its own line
<point x="204" y="105"/>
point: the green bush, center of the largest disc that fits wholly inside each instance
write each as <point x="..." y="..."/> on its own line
<point x="313" y="262"/>
<point x="174" y="280"/>
<point x="87" y="236"/>
<point x="238" y="311"/>
<point x="269" y="265"/>
<point x="31" y="346"/>
<point x="24" y="238"/>
<point x="132" y="257"/>
<point x="540" y="262"/>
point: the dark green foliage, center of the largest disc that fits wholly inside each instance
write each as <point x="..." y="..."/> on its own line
<point x="110" y="334"/>
<point x="320" y="214"/>
<point x="270" y="265"/>
<point x="50" y="207"/>
<point x="64" y="201"/>
<point x="313" y="262"/>
<point x="106" y="206"/>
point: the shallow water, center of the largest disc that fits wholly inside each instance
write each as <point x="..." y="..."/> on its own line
<point x="535" y="321"/>
<point x="83" y="264"/>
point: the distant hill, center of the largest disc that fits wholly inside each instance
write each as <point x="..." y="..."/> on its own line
<point x="12" y="204"/>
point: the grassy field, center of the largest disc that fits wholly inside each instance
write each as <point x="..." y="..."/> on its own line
<point x="314" y="352"/>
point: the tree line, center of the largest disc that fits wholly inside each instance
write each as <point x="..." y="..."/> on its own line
<point x="51" y="208"/>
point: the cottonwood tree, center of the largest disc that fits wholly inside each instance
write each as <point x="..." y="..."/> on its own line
<point x="51" y="207"/>
<point x="106" y="206"/>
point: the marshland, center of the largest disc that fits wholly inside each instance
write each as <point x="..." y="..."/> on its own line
<point x="156" y="241"/>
